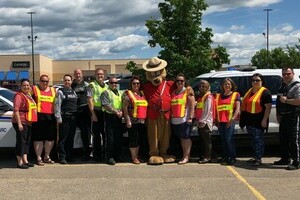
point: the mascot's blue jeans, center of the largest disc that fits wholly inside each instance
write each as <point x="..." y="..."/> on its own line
<point x="228" y="144"/>
<point x="257" y="141"/>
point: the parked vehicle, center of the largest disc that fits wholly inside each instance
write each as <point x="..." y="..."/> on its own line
<point x="273" y="80"/>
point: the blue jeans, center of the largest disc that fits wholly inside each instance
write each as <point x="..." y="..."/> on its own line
<point x="228" y="144"/>
<point x="257" y="141"/>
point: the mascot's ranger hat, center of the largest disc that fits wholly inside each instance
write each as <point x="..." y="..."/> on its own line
<point x="154" y="64"/>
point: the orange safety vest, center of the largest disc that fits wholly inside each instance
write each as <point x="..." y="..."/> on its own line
<point x="178" y="104"/>
<point x="139" y="104"/>
<point x="31" y="114"/>
<point x="44" y="100"/>
<point x="251" y="104"/>
<point x="200" y="104"/>
<point x="225" y="107"/>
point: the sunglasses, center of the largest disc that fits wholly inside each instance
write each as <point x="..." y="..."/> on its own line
<point x="135" y="83"/>
<point x="179" y="81"/>
<point x="44" y="81"/>
<point x="113" y="82"/>
<point x="256" y="80"/>
<point x="286" y="74"/>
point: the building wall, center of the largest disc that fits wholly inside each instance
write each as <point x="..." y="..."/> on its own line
<point x="56" y="69"/>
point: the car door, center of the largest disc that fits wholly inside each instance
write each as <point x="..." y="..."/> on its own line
<point x="7" y="132"/>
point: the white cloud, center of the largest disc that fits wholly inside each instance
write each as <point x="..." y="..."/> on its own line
<point x="236" y="27"/>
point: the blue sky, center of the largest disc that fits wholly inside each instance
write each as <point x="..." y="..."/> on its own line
<point x="115" y="29"/>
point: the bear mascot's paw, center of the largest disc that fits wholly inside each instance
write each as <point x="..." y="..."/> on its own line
<point x="168" y="158"/>
<point x="156" y="160"/>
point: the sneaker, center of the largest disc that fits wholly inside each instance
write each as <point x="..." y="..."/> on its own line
<point x="29" y="164"/>
<point x="204" y="160"/>
<point x="23" y="166"/>
<point x="293" y="166"/>
<point x="282" y="162"/>
<point x="110" y="161"/>
<point x="63" y="162"/>
<point x="256" y="163"/>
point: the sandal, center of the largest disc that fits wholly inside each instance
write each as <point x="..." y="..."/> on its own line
<point x="48" y="160"/>
<point x="136" y="161"/>
<point x="40" y="162"/>
<point x="183" y="161"/>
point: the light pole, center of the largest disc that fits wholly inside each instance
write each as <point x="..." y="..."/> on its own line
<point x="267" y="36"/>
<point x="32" y="40"/>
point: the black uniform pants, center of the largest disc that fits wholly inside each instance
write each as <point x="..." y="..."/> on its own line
<point x="22" y="139"/>
<point x="66" y="137"/>
<point x="99" y="139"/>
<point x="114" y="135"/>
<point x="289" y="137"/>
<point x="83" y="122"/>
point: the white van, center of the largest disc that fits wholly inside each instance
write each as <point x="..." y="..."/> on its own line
<point x="242" y="78"/>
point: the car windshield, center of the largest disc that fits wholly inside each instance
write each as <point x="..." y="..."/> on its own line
<point x="8" y="94"/>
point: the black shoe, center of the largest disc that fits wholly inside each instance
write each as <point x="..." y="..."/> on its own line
<point x="231" y="161"/>
<point x="86" y="158"/>
<point x="256" y="163"/>
<point x="204" y="160"/>
<point x="251" y="160"/>
<point x="29" y="164"/>
<point x="110" y="161"/>
<point x="23" y="166"/>
<point x="282" y="162"/>
<point x="71" y="160"/>
<point x="63" y="162"/>
<point x="293" y="166"/>
<point x="223" y="160"/>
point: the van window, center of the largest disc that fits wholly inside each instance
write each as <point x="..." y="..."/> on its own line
<point x="243" y="83"/>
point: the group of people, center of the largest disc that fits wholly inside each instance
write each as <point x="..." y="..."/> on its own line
<point x="97" y="109"/>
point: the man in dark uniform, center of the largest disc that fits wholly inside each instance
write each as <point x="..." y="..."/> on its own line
<point x="287" y="111"/>
<point x="83" y="115"/>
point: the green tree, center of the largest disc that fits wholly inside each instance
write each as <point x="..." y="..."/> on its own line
<point x="135" y="70"/>
<point x="185" y="45"/>
<point x="277" y="59"/>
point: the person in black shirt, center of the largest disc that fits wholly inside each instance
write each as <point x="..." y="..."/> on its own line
<point x="287" y="112"/>
<point x="65" y="114"/>
<point x="83" y="115"/>
<point x="255" y="112"/>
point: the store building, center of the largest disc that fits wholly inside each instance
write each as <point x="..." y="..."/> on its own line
<point x="15" y="67"/>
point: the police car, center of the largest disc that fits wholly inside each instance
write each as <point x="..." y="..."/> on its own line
<point x="7" y="132"/>
<point x="242" y="78"/>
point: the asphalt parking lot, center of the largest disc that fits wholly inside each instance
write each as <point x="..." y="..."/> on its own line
<point x="169" y="181"/>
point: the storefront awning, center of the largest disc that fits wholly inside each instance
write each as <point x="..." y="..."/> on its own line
<point x="23" y="74"/>
<point x="2" y="75"/>
<point x="11" y="76"/>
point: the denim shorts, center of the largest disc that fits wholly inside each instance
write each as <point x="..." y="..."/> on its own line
<point x="181" y="130"/>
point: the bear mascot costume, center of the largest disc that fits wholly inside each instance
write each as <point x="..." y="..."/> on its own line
<point x="158" y="94"/>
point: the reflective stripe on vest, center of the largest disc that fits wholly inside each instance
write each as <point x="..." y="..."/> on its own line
<point x="139" y="104"/>
<point x="178" y="104"/>
<point x="199" y="105"/>
<point x="97" y="91"/>
<point x="31" y="114"/>
<point x="115" y="100"/>
<point x="225" y="107"/>
<point x="252" y="104"/>
<point x="44" y="99"/>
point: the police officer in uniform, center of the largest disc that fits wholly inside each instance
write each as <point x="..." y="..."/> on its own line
<point x="111" y="99"/>
<point x="83" y="116"/>
<point x="95" y="89"/>
<point x="287" y="108"/>
<point x="65" y="114"/>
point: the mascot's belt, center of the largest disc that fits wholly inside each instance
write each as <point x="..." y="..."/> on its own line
<point x="163" y="111"/>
